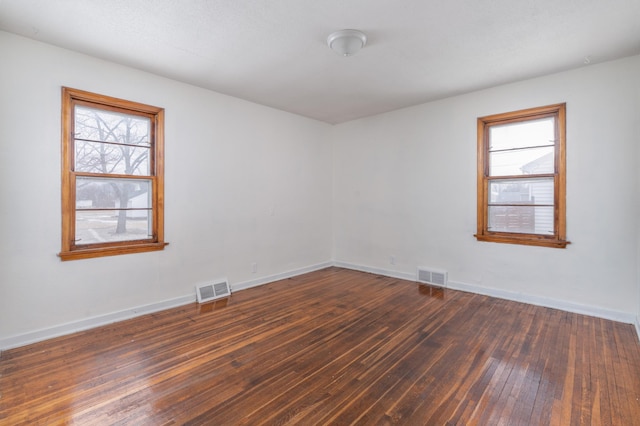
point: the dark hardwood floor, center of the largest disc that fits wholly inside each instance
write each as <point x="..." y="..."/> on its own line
<point x="333" y="347"/>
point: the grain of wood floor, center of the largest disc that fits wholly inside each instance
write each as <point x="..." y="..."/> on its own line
<point x="333" y="347"/>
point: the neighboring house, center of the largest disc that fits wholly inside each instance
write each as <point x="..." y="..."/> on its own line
<point x="541" y="194"/>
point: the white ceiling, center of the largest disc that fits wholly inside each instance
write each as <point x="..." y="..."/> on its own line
<point x="274" y="52"/>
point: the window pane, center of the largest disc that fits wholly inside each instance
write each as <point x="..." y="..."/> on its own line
<point x="522" y="162"/>
<point x="101" y="125"/>
<point x="97" y="157"/>
<point x="521" y="191"/>
<point x="103" y="226"/>
<point x="112" y="176"/>
<point x="522" y="134"/>
<point x="105" y="193"/>
<point x="521" y="219"/>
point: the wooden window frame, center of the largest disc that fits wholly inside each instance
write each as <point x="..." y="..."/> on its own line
<point x="70" y="249"/>
<point x="558" y="239"/>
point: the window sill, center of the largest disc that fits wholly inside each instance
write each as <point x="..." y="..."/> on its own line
<point x="523" y="240"/>
<point x="110" y="251"/>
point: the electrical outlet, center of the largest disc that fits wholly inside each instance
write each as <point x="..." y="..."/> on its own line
<point x="392" y="260"/>
<point x="254" y="267"/>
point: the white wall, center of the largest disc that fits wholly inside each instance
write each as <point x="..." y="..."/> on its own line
<point x="244" y="183"/>
<point x="405" y="186"/>
<point x="637" y="132"/>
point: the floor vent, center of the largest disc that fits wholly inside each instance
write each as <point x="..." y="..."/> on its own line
<point x="432" y="276"/>
<point x="212" y="291"/>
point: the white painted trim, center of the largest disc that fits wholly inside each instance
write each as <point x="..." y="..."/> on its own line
<point x="88" y="323"/>
<point x="276" y="277"/>
<point x="547" y="302"/>
<point x="577" y="308"/>
<point x="92" y="322"/>
<point x="97" y="321"/>
<point x="377" y="271"/>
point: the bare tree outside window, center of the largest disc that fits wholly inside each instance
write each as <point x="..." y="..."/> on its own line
<point x="111" y="143"/>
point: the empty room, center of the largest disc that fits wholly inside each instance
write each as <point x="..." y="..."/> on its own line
<point x="320" y="212"/>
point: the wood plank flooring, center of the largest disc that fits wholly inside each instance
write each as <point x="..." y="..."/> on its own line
<point x="333" y="347"/>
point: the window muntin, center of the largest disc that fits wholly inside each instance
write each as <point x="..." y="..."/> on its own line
<point x="112" y="176"/>
<point x="521" y="177"/>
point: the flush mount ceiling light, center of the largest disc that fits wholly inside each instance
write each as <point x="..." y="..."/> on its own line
<point x="347" y="42"/>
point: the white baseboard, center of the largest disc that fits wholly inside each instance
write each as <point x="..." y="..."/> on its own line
<point x="277" y="277"/>
<point x="88" y="323"/>
<point x="378" y="271"/>
<point x="92" y="322"/>
<point x="97" y="321"/>
<point x="577" y="308"/>
<point x="547" y="302"/>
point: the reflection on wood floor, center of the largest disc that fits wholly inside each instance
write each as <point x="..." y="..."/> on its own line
<point x="333" y="347"/>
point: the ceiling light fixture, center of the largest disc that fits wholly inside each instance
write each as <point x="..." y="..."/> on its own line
<point x="347" y="42"/>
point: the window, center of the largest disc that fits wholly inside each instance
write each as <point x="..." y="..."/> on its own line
<point x="112" y="176"/>
<point x="521" y="177"/>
